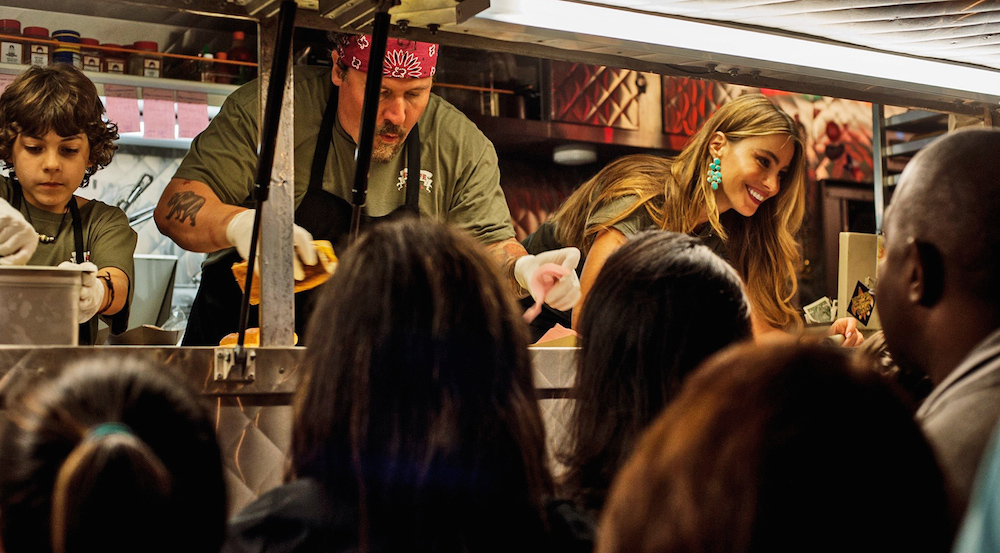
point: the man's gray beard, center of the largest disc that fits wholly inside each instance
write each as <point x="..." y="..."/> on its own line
<point x="382" y="152"/>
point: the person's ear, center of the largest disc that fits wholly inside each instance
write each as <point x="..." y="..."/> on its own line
<point x="716" y="142"/>
<point x="925" y="273"/>
<point x="337" y="75"/>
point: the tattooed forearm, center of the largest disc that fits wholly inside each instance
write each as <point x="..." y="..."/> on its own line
<point x="184" y="205"/>
<point x="505" y="253"/>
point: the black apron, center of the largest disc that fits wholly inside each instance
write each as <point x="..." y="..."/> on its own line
<point x="80" y="255"/>
<point x="216" y="308"/>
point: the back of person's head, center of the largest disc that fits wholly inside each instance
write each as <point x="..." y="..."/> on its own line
<point x="661" y="304"/>
<point x="780" y="448"/>
<point x="112" y="455"/>
<point x="949" y="197"/>
<point x="418" y="408"/>
<point x="57" y="98"/>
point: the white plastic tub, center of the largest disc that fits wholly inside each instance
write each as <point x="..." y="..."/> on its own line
<point x="39" y="306"/>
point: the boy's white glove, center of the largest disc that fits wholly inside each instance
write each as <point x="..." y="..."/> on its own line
<point x="564" y="295"/>
<point x="91" y="292"/>
<point x="18" y="239"/>
<point x="240" y="231"/>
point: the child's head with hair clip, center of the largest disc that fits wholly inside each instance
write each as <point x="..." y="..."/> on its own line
<point x="112" y="455"/>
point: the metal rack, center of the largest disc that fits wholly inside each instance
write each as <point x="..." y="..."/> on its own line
<point x="914" y="130"/>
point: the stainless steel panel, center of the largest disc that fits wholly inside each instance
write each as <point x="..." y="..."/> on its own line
<point x="253" y="420"/>
<point x="277" y="308"/>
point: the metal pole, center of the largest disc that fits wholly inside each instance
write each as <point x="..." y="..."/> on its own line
<point x="369" y="113"/>
<point x="878" y="162"/>
<point x="268" y="138"/>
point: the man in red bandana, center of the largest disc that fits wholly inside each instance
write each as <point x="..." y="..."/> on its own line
<point x="207" y="206"/>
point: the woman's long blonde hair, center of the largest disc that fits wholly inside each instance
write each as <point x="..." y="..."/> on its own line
<point x="762" y="248"/>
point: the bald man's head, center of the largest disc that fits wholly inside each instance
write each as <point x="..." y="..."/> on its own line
<point x="949" y="197"/>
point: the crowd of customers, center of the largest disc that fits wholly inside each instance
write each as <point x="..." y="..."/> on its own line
<point x="419" y="429"/>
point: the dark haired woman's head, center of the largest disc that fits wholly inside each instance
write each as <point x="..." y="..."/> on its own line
<point x="112" y="455"/>
<point x="780" y="448"/>
<point x="419" y="406"/>
<point x="57" y="98"/>
<point x="661" y="304"/>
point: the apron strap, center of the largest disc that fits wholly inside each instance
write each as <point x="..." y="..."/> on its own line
<point x="413" y="170"/>
<point x="323" y="142"/>
<point x="79" y="256"/>
<point x="15" y="201"/>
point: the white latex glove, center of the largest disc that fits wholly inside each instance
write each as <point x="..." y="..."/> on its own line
<point x="92" y="291"/>
<point x="564" y="295"/>
<point x="18" y="239"/>
<point x="240" y="231"/>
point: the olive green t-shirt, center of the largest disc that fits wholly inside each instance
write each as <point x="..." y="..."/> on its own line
<point x="106" y="235"/>
<point x="459" y="176"/>
<point x="636" y="222"/>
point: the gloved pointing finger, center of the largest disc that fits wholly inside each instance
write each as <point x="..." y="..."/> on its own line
<point x="565" y="293"/>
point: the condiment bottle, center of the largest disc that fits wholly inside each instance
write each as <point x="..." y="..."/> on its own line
<point x="41" y="54"/>
<point x="91" y="56"/>
<point x="12" y="49"/>
<point x="144" y="64"/>
<point x="223" y="71"/>
<point x="239" y="52"/>
<point x="207" y="71"/>
<point x="113" y="61"/>
<point x="68" y="51"/>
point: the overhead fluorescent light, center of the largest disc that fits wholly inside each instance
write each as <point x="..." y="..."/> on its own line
<point x="780" y="52"/>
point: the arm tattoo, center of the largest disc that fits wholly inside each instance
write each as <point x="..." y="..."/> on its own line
<point x="184" y="205"/>
<point x="505" y="253"/>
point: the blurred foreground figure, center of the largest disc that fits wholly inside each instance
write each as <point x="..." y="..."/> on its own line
<point x="938" y="295"/>
<point x="112" y="456"/>
<point x="779" y="448"/>
<point x="416" y="426"/>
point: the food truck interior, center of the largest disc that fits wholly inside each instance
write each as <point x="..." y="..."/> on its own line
<point x="561" y="87"/>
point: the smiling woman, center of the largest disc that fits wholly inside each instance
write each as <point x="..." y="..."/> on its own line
<point x="53" y="137"/>
<point x="737" y="184"/>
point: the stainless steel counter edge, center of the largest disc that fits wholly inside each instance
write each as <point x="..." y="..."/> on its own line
<point x="277" y="369"/>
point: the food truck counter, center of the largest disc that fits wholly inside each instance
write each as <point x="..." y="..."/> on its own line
<point x="253" y="416"/>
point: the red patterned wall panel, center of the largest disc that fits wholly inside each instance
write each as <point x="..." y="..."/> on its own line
<point x="595" y="95"/>
<point x="687" y="103"/>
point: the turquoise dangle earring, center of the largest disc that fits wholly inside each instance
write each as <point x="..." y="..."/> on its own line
<point x="715" y="173"/>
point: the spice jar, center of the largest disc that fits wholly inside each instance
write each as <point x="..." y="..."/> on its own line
<point x="142" y="63"/>
<point x="40" y="54"/>
<point x="113" y="61"/>
<point x="91" y="56"/>
<point x="68" y="49"/>
<point x="12" y="49"/>
<point x="223" y="74"/>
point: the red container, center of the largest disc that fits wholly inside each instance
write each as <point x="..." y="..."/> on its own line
<point x="112" y="61"/>
<point x="143" y="64"/>
<point x="12" y="49"/>
<point x="39" y="54"/>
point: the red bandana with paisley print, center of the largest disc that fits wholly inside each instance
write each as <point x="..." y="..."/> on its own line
<point x="404" y="59"/>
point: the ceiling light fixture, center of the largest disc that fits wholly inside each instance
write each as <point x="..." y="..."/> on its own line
<point x="768" y="51"/>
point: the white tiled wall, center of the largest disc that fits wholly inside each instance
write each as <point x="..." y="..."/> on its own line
<point x="113" y="184"/>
